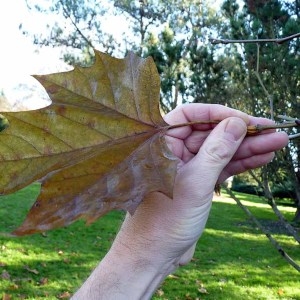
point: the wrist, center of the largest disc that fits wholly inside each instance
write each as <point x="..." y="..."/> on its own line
<point x="141" y="267"/>
<point x="128" y="271"/>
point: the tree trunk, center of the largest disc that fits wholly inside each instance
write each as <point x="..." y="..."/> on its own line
<point x="297" y="198"/>
<point x="297" y="216"/>
<point x="296" y="183"/>
<point x="265" y="184"/>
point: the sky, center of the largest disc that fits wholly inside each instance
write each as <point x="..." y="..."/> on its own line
<point x="19" y="58"/>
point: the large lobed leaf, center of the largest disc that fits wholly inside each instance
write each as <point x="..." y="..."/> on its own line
<point x="99" y="146"/>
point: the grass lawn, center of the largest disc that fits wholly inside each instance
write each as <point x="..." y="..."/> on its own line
<point x="233" y="260"/>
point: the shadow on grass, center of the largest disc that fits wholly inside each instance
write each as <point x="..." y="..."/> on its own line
<point x="239" y="262"/>
<point x="48" y="264"/>
<point x="227" y="256"/>
<point x="234" y="262"/>
<point x="65" y="257"/>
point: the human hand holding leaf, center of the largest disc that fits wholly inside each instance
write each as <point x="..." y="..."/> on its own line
<point x="99" y="146"/>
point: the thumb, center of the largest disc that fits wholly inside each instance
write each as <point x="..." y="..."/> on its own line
<point x="213" y="156"/>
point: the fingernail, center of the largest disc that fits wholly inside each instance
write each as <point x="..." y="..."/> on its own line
<point x="235" y="128"/>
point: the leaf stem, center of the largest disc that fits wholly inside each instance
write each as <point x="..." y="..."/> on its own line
<point x="251" y="129"/>
<point x="192" y="123"/>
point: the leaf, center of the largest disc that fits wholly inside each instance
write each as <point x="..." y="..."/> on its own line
<point x="34" y="271"/>
<point x="99" y="146"/>
<point x="202" y="290"/>
<point x="43" y="281"/>
<point x="64" y="295"/>
<point x="6" y="297"/>
<point x="5" y="275"/>
<point x="280" y="292"/>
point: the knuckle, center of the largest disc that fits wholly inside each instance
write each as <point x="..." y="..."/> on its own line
<point x="219" y="152"/>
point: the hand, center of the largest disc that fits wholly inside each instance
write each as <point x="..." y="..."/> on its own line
<point x="162" y="234"/>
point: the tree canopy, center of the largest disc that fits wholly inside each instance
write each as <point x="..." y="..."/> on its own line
<point x="259" y="78"/>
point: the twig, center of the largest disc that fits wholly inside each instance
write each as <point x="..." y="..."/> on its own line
<point x="270" y="97"/>
<point x="268" y="235"/>
<point x="287" y="118"/>
<point x="290" y="119"/>
<point x="294" y="136"/>
<point x="251" y="129"/>
<point x="75" y="25"/>
<point x="278" y="41"/>
<point x="277" y="212"/>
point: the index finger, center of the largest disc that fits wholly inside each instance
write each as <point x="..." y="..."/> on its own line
<point x="200" y="112"/>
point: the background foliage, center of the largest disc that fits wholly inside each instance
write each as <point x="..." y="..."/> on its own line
<point x="192" y="69"/>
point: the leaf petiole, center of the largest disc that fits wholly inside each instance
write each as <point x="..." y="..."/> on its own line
<point x="251" y="129"/>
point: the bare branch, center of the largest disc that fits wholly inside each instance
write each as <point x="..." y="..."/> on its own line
<point x="270" y="97"/>
<point x="277" y="212"/>
<point x="294" y="136"/>
<point x="290" y="119"/>
<point x="277" y="41"/>
<point x="258" y="41"/>
<point x="76" y="27"/>
<point x="251" y="129"/>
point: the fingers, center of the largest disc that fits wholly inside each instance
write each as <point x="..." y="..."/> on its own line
<point x="240" y="166"/>
<point x="200" y="112"/>
<point x="188" y="142"/>
<point x="195" y="111"/>
<point x="205" y="112"/>
<point x="194" y="141"/>
<point x="252" y="145"/>
<point x="215" y="153"/>
<point x="260" y="144"/>
<point x="255" y="152"/>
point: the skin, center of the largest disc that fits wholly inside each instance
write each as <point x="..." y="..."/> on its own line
<point x="162" y="233"/>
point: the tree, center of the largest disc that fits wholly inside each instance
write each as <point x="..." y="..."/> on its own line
<point x="3" y="102"/>
<point x="174" y="32"/>
<point x="272" y="78"/>
<point x="258" y="80"/>
<point x="75" y="26"/>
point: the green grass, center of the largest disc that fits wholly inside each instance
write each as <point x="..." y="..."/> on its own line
<point x="233" y="260"/>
